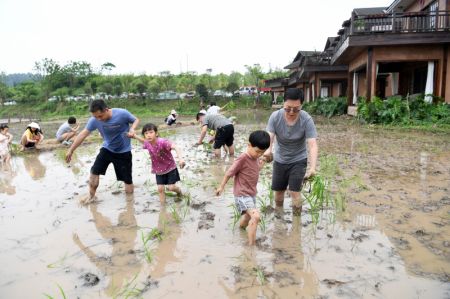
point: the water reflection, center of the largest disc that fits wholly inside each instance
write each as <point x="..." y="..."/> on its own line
<point x="34" y="166"/>
<point x="164" y="254"/>
<point x="123" y="263"/>
<point x="6" y="178"/>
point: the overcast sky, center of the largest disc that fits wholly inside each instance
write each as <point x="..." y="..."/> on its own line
<point x="145" y="36"/>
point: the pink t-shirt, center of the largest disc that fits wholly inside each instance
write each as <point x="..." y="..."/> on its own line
<point x="245" y="170"/>
<point x="161" y="156"/>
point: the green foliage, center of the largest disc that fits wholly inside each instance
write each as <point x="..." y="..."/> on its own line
<point x="327" y="106"/>
<point x="201" y="90"/>
<point x="396" y="110"/>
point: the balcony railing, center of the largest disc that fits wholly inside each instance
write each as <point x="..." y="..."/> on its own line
<point x="397" y="23"/>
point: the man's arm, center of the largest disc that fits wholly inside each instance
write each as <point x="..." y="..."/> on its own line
<point x="268" y="153"/>
<point x="83" y="134"/>
<point x="202" y="134"/>
<point x="179" y="155"/>
<point x="313" y="151"/>
<point x="133" y="127"/>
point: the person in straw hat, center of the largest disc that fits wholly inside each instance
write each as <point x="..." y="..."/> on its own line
<point x="32" y="136"/>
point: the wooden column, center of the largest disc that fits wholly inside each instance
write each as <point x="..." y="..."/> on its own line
<point x="350" y="89"/>
<point x="369" y="76"/>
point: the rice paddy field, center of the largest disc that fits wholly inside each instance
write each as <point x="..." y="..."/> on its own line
<point x="382" y="229"/>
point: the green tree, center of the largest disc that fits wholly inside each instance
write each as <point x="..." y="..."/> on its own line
<point x="201" y="91"/>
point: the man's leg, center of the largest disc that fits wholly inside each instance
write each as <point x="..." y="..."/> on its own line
<point x="231" y="150"/>
<point x="252" y="225"/>
<point x="129" y="188"/>
<point x="93" y="184"/>
<point x="279" y="198"/>
<point x="217" y="152"/>
<point x="296" y="203"/>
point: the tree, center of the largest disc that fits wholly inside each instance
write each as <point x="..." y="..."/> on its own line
<point x="232" y="87"/>
<point x="256" y="76"/>
<point x="107" y="66"/>
<point x="165" y="78"/>
<point x="201" y="90"/>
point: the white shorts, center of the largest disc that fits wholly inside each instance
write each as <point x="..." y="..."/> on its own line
<point x="244" y="203"/>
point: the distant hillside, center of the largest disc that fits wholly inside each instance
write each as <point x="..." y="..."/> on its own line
<point x="14" y="79"/>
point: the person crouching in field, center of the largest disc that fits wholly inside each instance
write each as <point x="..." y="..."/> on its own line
<point x="163" y="163"/>
<point x="31" y="137"/>
<point x="245" y="170"/>
<point x="67" y="131"/>
<point x="5" y="140"/>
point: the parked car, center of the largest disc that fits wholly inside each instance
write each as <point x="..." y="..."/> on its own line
<point x="219" y="93"/>
<point x="167" y="95"/>
<point x="10" y="103"/>
<point x="247" y="90"/>
<point x="190" y="94"/>
<point x="52" y="99"/>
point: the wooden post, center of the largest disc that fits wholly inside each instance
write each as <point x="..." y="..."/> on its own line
<point x="350" y="89"/>
<point x="369" y="76"/>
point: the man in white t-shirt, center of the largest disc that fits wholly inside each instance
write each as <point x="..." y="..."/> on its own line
<point x="213" y="109"/>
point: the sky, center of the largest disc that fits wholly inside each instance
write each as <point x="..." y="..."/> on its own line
<point x="147" y="37"/>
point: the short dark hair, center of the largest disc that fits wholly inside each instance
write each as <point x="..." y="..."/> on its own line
<point x="149" y="127"/>
<point x="198" y="115"/>
<point x="72" y="120"/>
<point x="294" y="94"/>
<point x="97" y="105"/>
<point x="212" y="104"/>
<point x="260" y="139"/>
<point x="3" y="126"/>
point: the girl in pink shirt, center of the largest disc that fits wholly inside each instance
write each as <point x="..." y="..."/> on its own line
<point x="163" y="163"/>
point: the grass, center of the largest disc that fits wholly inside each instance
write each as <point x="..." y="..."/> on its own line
<point x="236" y="214"/>
<point x="60" y="290"/>
<point x="179" y="214"/>
<point x="129" y="290"/>
<point x="263" y="223"/>
<point x="59" y="263"/>
<point x="260" y="275"/>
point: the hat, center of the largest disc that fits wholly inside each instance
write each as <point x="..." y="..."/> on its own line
<point x="203" y="111"/>
<point x="173" y="112"/>
<point x="34" y="125"/>
<point x="293" y="94"/>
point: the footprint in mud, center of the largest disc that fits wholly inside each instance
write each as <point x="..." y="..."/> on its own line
<point x="206" y="220"/>
<point x="90" y="279"/>
<point x="199" y="205"/>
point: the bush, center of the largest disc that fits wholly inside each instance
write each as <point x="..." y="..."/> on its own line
<point x="397" y="110"/>
<point x="327" y="106"/>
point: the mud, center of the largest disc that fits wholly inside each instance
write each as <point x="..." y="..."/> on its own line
<point x="392" y="240"/>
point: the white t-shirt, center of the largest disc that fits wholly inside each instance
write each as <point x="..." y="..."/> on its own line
<point x="4" y="139"/>
<point x="213" y="110"/>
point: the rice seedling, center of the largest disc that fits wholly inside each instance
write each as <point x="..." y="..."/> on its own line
<point x="60" y="290"/>
<point x="260" y="275"/>
<point x="236" y="214"/>
<point x="179" y="215"/>
<point x="129" y="290"/>
<point x="59" y="263"/>
<point x="263" y="223"/>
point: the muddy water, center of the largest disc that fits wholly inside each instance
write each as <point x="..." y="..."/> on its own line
<point x="392" y="241"/>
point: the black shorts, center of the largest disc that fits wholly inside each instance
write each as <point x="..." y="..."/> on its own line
<point x="122" y="162"/>
<point x="30" y="144"/>
<point x="291" y="175"/>
<point x="224" y="135"/>
<point x="169" y="178"/>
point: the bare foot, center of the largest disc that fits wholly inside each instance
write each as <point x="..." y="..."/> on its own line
<point x="87" y="199"/>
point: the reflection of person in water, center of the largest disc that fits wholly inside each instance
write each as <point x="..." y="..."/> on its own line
<point x="34" y="166"/>
<point x="287" y="274"/>
<point x="165" y="252"/>
<point x="124" y="264"/>
<point x="6" y="182"/>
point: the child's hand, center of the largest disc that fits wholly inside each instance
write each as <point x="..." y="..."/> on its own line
<point x="182" y="163"/>
<point x="262" y="161"/>
<point x="268" y="158"/>
<point x="219" y="191"/>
